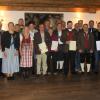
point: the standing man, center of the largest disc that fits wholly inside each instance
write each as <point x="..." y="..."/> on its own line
<point x="85" y="47"/>
<point x="59" y="54"/>
<point x="21" y="24"/>
<point x="41" y="37"/>
<point x="69" y="35"/>
<point x="93" y="31"/>
<point x="97" y="53"/>
<point x="80" y="25"/>
<point x="1" y="32"/>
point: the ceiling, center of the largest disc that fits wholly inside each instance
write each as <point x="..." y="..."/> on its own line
<point x="51" y="5"/>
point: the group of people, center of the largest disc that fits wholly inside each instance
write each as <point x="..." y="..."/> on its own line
<point x="21" y="51"/>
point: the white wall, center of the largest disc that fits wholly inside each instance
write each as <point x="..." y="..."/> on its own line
<point x="8" y="16"/>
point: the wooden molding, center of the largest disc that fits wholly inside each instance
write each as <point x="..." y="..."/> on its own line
<point x="51" y="5"/>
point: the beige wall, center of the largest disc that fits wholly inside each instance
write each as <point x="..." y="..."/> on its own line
<point x="74" y="16"/>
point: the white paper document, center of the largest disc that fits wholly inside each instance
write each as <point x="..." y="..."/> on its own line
<point x="72" y="46"/>
<point x="1" y="54"/>
<point x="98" y="45"/>
<point x="54" y="45"/>
<point x="43" y="47"/>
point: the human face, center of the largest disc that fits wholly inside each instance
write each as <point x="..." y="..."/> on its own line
<point x="59" y="26"/>
<point x="11" y="26"/>
<point x="80" y="23"/>
<point x="17" y="28"/>
<point x="31" y="26"/>
<point x="41" y="28"/>
<point x="69" y="25"/>
<point x="47" y="23"/>
<point x="76" y="26"/>
<point x="26" y="31"/>
<point x="21" y="22"/>
<point x="85" y="27"/>
<point x="91" y="24"/>
<point x="63" y="24"/>
<point x="98" y="26"/>
<point x="50" y="31"/>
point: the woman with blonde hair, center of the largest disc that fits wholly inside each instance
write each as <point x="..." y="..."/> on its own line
<point x="10" y="46"/>
<point x="26" y="52"/>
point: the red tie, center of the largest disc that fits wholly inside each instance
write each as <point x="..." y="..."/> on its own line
<point x="86" y="41"/>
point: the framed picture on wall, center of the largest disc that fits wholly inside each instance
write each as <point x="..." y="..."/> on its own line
<point x="42" y="17"/>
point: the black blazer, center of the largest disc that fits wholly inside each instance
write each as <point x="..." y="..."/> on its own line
<point x="6" y="40"/>
<point x="38" y="40"/>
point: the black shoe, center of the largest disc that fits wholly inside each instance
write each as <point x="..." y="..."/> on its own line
<point x="11" y="78"/>
<point x="8" y="78"/>
<point x="96" y="73"/>
<point x="88" y="73"/>
<point x="82" y="73"/>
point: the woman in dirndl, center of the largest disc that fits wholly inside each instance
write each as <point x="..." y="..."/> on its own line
<point x="26" y="52"/>
<point x="10" y="46"/>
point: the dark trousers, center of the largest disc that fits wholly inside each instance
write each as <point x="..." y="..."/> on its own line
<point x="59" y="56"/>
<point x="51" y="62"/>
<point x="77" y="61"/>
<point x="0" y="66"/>
<point x="69" y="61"/>
<point x="97" y="61"/>
<point x="92" y="56"/>
<point x="34" y="65"/>
<point x="85" y="56"/>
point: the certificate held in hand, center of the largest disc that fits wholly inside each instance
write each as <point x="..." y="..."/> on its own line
<point x="72" y="45"/>
<point x="43" y="47"/>
<point x="54" y="45"/>
<point x="98" y="45"/>
<point x="0" y="54"/>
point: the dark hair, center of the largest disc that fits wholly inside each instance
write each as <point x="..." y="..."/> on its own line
<point x="31" y="22"/>
<point x="16" y="24"/>
<point x="46" y="21"/>
<point x="21" y="19"/>
<point x="91" y="21"/>
<point x="59" y="23"/>
<point x="85" y="24"/>
<point x="10" y="23"/>
<point x="98" y="22"/>
<point x="41" y="24"/>
<point x="69" y="22"/>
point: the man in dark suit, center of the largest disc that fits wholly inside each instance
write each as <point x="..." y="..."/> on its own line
<point x="59" y="54"/>
<point x="41" y="37"/>
<point x="93" y="31"/>
<point x="1" y="32"/>
<point x="85" y="47"/>
<point x="69" y="35"/>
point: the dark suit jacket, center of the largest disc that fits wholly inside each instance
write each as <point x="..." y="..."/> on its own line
<point x="61" y="47"/>
<point x="6" y="40"/>
<point x="81" y="41"/>
<point x="1" y="33"/>
<point x="38" y="40"/>
<point x="65" y="36"/>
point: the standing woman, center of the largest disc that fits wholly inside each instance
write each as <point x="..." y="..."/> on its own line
<point x="10" y="46"/>
<point x="26" y="52"/>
